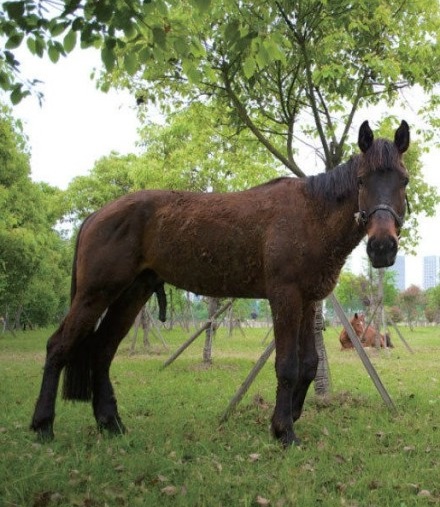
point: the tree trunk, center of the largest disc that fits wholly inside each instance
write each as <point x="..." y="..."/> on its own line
<point x="379" y="315"/>
<point x="213" y="306"/>
<point x="322" y="379"/>
<point x="146" y="326"/>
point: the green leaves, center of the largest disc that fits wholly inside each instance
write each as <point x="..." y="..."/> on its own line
<point x="249" y="67"/>
<point x="27" y="238"/>
<point x="14" y="41"/>
<point x="131" y="63"/>
<point x="15" y="10"/>
<point x="202" y="5"/>
<point x="69" y="41"/>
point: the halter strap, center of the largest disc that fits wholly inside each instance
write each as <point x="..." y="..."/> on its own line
<point x="362" y="216"/>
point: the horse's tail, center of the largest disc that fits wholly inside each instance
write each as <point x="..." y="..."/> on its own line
<point x="388" y="341"/>
<point x="77" y="378"/>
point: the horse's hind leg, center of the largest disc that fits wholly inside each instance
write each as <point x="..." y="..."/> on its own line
<point x="44" y="413"/>
<point x="75" y="328"/>
<point x="113" y="328"/>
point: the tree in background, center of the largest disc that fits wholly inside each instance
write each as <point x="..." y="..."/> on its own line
<point x="350" y="291"/>
<point x="33" y="257"/>
<point x="432" y="309"/>
<point x="411" y="303"/>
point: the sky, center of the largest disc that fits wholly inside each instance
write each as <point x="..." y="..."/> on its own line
<point x="78" y="124"/>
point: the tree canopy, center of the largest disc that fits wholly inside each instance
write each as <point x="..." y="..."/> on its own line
<point x="294" y="74"/>
<point x="33" y="258"/>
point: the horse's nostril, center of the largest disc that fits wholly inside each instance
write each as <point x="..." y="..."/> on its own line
<point x="383" y="244"/>
<point x="382" y="252"/>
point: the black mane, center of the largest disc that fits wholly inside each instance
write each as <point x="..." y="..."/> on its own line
<point x="335" y="185"/>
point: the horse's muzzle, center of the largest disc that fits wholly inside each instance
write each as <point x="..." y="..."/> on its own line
<point x="382" y="251"/>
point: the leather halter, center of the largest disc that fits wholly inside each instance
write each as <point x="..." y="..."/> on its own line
<point x="362" y="217"/>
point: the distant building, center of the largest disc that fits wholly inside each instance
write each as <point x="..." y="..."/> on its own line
<point x="431" y="271"/>
<point x="399" y="269"/>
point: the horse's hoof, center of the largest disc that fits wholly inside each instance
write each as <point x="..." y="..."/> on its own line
<point x="287" y="438"/>
<point x="111" y="425"/>
<point x="44" y="432"/>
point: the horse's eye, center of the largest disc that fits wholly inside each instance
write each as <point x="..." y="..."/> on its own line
<point x="405" y="182"/>
<point x="360" y="182"/>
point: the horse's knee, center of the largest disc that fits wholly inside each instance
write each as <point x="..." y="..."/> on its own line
<point x="309" y="369"/>
<point x="287" y="375"/>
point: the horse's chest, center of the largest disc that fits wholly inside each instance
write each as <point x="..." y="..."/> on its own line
<point x="321" y="283"/>
<point x="313" y="266"/>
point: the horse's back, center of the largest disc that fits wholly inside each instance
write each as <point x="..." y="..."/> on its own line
<point x="208" y="243"/>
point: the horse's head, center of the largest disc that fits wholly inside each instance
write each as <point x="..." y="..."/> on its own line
<point x="382" y="180"/>
<point x="358" y="323"/>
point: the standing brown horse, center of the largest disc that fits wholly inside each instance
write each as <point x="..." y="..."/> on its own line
<point x="286" y="241"/>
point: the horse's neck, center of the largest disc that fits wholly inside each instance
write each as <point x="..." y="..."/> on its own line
<point x="343" y="234"/>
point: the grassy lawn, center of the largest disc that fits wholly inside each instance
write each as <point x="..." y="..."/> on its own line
<point x="354" y="452"/>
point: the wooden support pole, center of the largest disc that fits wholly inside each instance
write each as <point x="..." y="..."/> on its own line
<point x="248" y="381"/>
<point x="401" y="336"/>
<point x="188" y="342"/>
<point x="362" y="354"/>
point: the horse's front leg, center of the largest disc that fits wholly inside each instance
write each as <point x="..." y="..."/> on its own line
<point x="287" y="315"/>
<point x="308" y="359"/>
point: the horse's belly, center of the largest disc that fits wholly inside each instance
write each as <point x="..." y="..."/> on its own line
<point x="208" y="276"/>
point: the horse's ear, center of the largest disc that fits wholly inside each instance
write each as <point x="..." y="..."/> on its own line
<point x="366" y="137"/>
<point x="401" y="138"/>
<point x="356" y="316"/>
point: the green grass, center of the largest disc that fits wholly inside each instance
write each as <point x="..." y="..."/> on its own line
<point x="354" y="452"/>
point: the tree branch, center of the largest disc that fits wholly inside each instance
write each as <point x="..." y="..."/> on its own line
<point x="241" y="110"/>
<point x="310" y="86"/>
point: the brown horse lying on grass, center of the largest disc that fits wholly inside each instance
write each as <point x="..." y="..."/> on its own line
<point x="285" y="241"/>
<point x="367" y="334"/>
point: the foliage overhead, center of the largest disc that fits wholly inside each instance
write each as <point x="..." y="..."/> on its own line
<point x="272" y="62"/>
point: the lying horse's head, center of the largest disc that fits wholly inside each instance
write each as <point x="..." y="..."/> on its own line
<point x="358" y="323"/>
<point x="382" y="180"/>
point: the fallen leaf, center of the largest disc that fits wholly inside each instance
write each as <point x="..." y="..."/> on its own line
<point x="169" y="490"/>
<point x="56" y="498"/>
<point x="42" y="499"/>
<point x="424" y="492"/>
<point x="308" y="467"/>
<point x="218" y="466"/>
<point x="254" y="456"/>
<point x="262" y="501"/>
